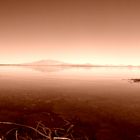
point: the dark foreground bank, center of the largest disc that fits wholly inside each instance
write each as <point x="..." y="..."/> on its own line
<point x="36" y="121"/>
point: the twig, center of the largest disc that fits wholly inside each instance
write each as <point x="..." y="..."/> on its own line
<point x="8" y="132"/>
<point x="10" y="123"/>
<point x="16" y="135"/>
<point x="61" y="138"/>
<point x="44" y="128"/>
<point x="68" y="130"/>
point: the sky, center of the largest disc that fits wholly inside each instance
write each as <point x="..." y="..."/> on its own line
<point x="74" y="31"/>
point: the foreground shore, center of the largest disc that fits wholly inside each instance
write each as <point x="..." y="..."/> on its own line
<point x="41" y="122"/>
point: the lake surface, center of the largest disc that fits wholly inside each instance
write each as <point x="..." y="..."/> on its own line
<point x="100" y="96"/>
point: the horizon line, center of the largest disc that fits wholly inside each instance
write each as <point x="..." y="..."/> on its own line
<point x="71" y="64"/>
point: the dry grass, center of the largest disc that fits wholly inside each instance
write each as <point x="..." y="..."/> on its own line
<point x="41" y="132"/>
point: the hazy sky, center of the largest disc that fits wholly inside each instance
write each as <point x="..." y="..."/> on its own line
<point x="77" y="31"/>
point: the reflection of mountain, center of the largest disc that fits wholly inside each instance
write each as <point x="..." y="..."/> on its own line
<point x="48" y="68"/>
<point x="55" y="68"/>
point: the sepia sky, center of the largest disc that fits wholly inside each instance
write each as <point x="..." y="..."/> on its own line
<point x="76" y="31"/>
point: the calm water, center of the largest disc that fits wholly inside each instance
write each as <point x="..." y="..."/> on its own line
<point x="100" y="95"/>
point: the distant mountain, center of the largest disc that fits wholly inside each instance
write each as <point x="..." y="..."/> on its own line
<point x="46" y="62"/>
<point x="59" y="63"/>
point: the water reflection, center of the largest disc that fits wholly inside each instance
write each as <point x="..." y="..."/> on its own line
<point x="48" y="68"/>
<point x="99" y="95"/>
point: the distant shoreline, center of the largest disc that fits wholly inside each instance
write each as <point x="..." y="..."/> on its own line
<point x="69" y="65"/>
